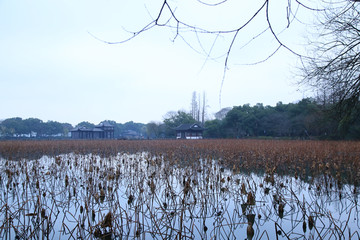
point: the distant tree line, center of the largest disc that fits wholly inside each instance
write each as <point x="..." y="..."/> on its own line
<point x="36" y="128"/>
<point x="307" y="119"/>
<point x="33" y="127"/>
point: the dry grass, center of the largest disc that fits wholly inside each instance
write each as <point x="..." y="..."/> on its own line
<point x="339" y="159"/>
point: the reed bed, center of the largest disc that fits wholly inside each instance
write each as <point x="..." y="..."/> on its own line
<point x="340" y="159"/>
<point x="208" y="189"/>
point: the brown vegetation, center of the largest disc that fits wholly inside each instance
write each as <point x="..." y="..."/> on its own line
<point x="340" y="159"/>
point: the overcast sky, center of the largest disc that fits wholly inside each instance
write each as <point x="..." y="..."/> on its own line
<point x="53" y="68"/>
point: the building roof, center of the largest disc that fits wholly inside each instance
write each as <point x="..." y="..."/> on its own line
<point x="82" y="129"/>
<point x="97" y="128"/>
<point x="190" y="126"/>
<point x="104" y="124"/>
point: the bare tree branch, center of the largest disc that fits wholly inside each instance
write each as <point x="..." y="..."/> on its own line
<point x="334" y="66"/>
<point x="273" y="32"/>
<point x="168" y="17"/>
<point x="231" y="45"/>
<point x="212" y="4"/>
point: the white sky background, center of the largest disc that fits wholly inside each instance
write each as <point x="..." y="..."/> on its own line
<point x="52" y="68"/>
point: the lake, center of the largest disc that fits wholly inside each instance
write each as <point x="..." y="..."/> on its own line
<point x="147" y="196"/>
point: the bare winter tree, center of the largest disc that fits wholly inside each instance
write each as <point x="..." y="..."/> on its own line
<point x="203" y="112"/>
<point x="168" y="17"/>
<point x="194" y="106"/>
<point x="333" y="68"/>
<point x="198" y="108"/>
<point x="220" y="115"/>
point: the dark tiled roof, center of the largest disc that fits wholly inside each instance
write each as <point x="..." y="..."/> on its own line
<point x="97" y="128"/>
<point x="84" y="129"/>
<point x="104" y="124"/>
<point x="188" y="126"/>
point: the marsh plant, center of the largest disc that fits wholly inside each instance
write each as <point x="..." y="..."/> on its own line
<point x="167" y="195"/>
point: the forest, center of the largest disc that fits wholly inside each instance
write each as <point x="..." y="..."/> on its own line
<point x="306" y="119"/>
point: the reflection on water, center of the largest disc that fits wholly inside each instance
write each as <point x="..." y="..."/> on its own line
<point x="140" y="196"/>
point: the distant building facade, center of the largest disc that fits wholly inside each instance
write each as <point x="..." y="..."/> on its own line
<point x="102" y="131"/>
<point x="189" y="131"/>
